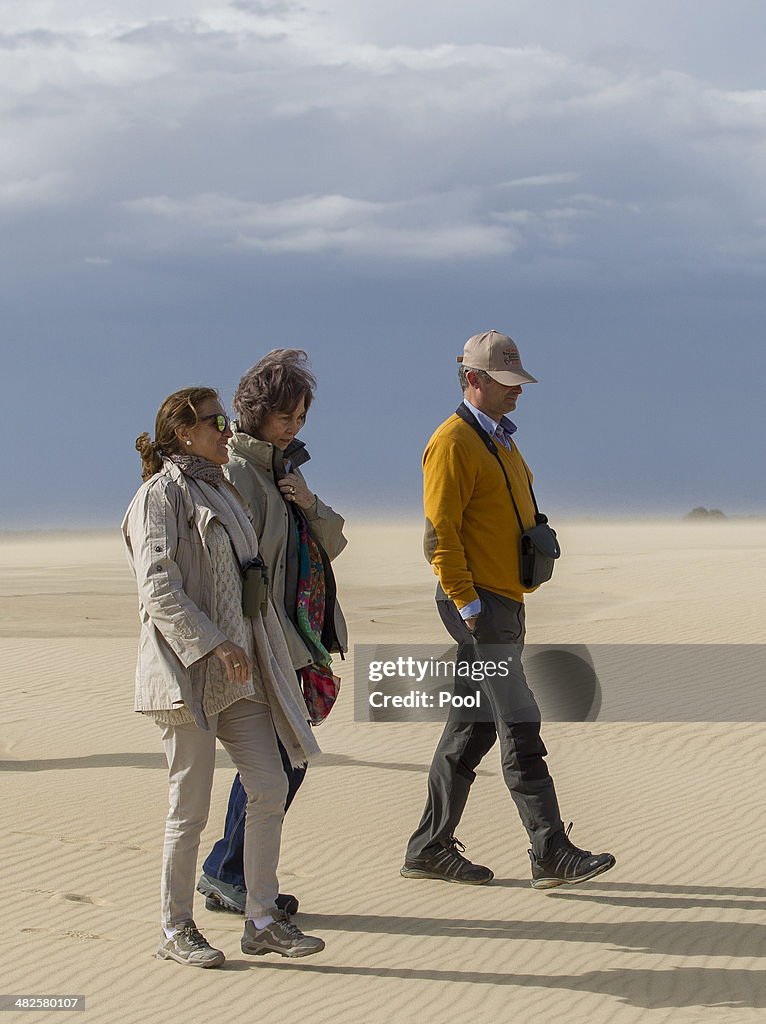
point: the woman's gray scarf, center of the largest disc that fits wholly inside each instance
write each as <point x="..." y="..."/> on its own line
<point x="273" y="663"/>
<point x="199" y="469"/>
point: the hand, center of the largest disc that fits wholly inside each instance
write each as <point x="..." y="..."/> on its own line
<point x="235" y="661"/>
<point x="471" y="623"/>
<point x="293" y="488"/>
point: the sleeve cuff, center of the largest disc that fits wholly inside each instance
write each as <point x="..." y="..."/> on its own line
<point x="313" y="511"/>
<point x="469" y="610"/>
<point x="200" y="650"/>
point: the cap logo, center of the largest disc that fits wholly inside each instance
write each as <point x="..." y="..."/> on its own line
<point x="511" y="357"/>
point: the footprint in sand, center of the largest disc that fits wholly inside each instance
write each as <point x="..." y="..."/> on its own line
<point x="76" y="897"/>
<point x="67" y="934"/>
<point x="99" y="844"/>
<point x="67" y="897"/>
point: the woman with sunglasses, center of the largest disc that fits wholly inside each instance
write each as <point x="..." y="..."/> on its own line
<point x="208" y="669"/>
<point x="299" y="535"/>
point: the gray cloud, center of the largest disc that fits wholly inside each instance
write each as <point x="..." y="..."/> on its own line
<point x="186" y="182"/>
<point x="436" y="227"/>
<point x="218" y="114"/>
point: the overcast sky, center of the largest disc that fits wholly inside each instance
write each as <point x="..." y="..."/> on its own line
<point x="185" y="185"/>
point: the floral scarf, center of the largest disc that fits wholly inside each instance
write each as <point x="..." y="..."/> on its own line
<point x="320" y="687"/>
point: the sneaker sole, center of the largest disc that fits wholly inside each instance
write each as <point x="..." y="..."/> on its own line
<point x="216" y="900"/>
<point x="552" y="883"/>
<point x="406" y="872"/>
<point x="165" y="954"/>
<point x="217" y="903"/>
<point x="263" y="950"/>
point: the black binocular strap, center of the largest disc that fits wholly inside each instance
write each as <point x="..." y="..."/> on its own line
<point x="467" y="416"/>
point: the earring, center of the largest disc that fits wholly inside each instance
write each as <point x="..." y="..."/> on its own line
<point x="189" y="443"/>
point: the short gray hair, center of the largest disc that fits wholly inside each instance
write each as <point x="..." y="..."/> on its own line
<point x="463" y="372"/>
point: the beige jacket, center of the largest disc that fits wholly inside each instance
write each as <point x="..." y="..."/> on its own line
<point x="164" y="533"/>
<point x="250" y="469"/>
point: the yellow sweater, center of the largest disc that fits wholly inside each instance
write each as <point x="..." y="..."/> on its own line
<point x="472" y="533"/>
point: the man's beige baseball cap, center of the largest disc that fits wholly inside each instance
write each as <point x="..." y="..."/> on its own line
<point x="498" y="355"/>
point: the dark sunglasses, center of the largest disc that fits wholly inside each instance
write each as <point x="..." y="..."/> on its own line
<point x="222" y="422"/>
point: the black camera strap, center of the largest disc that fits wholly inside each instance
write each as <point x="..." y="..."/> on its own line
<point x="468" y="417"/>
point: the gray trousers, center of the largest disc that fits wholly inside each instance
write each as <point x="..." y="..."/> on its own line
<point x="513" y="716"/>
<point x="246" y="731"/>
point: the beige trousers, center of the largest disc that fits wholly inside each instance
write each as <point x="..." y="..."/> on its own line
<point x="246" y="731"/>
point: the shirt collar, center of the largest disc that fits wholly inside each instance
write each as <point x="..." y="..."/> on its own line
<point x="487" y="423"/>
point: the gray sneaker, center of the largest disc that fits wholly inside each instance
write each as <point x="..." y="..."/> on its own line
<point x="221" y="895"/>
<point x="281" y="936"/>
<point x="188" y="946"/>
<point x="224" y="896"/>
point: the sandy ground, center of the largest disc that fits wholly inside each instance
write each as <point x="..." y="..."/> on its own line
<point x="676" y="931"/>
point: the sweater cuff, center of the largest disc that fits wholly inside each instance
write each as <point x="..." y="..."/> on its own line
<point x="467" y="597"/>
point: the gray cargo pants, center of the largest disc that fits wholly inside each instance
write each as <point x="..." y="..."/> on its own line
<point x="512" y="714"/>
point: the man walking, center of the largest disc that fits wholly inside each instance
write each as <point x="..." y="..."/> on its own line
<point x="477" y="495"/>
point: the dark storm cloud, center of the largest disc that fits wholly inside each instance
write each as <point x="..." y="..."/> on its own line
<point x="592" y="179"/>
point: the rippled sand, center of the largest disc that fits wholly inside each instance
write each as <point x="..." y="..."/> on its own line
<point x="676" y="931"/>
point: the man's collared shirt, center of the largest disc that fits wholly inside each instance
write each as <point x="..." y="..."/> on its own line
<point x="501" y="433"/>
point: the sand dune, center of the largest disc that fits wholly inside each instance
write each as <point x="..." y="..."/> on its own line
<point x="676" y="931"/>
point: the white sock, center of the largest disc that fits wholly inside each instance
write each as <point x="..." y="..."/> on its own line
<point x="261" y="922"/>
<point x="170" y="932"/>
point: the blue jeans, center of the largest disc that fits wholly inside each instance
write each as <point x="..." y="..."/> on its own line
<point x="224" y="861"/>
